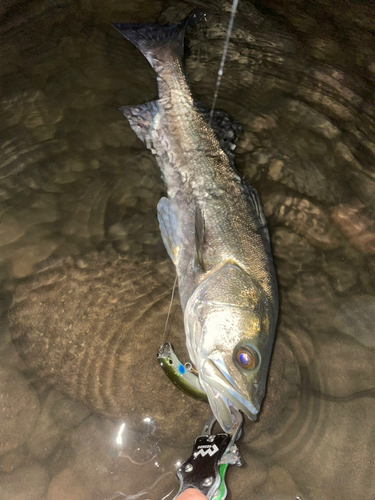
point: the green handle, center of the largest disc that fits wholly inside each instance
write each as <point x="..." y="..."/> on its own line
<point x="222" y="489"/>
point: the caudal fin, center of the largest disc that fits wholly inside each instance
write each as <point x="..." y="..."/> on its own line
<point x="154" y="40"/>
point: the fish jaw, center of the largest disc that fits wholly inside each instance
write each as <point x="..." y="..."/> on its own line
<point x="222" y="395"/>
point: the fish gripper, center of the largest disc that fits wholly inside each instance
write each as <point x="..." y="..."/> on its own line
<point x="205" y="469"/>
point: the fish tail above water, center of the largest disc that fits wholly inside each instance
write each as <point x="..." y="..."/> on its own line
<point x="158" y="42"/>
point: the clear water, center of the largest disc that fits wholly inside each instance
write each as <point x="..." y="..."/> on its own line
<point x="75" y="179"/>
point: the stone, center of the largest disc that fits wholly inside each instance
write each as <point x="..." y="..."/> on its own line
<point x="83" y="326"/>
<point x="279" y="481"/>
<point x="343" y="277"/>
<point x="342" y="365"/>
<point x="26" y="257"/>
<point x="13" y="459"/>
<point x="356" y="226"/>
<point x="282" y="385"/>
<point x="19" y="409"/>
<point x="256" y="474"/>
<point x="66" y="486"/>
<point x="334" y="442"/>
<point x="57" y="415"/>
<point x="85" y="211"/>
<point x="292" y="254"/>
<point x="309" y="221"/>
<point x="8" y="353"/>
<point x="27" y="483"/>
<point x="313" y="297"/>
<point x="356" y="318"/>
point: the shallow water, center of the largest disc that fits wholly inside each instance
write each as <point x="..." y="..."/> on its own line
<point x="75" y="180"/>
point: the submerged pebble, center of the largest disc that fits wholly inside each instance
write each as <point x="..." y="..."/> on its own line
<point x="19" y="409"/>
<point x="356" y="317"/>
<point x="57" y="415"/>
<point x="27" y="483"/>
<point x="67" y="486"/>
<point x="13" y="459"/>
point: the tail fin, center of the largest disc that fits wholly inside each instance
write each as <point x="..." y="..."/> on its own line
<point x="153" y="39"/>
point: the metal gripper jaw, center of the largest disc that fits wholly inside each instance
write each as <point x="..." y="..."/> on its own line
<point x="205" y="469"/>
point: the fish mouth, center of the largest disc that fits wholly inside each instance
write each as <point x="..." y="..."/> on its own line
<point x="223" y="392"/>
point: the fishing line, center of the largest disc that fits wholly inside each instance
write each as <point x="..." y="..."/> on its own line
<point x="225" y="50"/>
<point x="169" y="310"/>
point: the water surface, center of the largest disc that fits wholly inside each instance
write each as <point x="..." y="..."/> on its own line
<point x="79" y="238"/>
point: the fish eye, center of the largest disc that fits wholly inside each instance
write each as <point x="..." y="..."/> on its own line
<point x="246" y="357"/>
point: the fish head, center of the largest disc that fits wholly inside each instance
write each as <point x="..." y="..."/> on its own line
<point x="230" y="325"/>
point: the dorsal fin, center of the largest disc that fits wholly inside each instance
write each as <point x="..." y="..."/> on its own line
<point x="252" y="196"/>
<point x="141" y="120"/>
<point x="199" y="237"/>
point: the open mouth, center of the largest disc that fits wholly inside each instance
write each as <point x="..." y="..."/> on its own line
<point x="224" y="392"/>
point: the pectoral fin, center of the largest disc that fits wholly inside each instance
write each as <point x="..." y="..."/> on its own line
<point x="168" y="224"/>
<point x="141" y="120"/>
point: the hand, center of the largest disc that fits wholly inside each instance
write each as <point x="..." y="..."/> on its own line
<point x="191" y="494"/>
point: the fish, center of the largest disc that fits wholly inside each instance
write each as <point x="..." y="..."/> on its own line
<point x="214" y="230"/>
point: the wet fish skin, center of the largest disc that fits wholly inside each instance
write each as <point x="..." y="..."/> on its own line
<point x="214" y="230"/>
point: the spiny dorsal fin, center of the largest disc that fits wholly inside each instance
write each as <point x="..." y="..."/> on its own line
<point x="199" y="237"/>
<point x="253" y="198"/>
<point x="141" y="119"/>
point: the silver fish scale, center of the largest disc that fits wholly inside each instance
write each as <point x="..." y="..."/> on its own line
<point x="232" y="228"/>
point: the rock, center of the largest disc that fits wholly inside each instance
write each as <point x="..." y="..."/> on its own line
<point x="66" y="486"/>
<point x="255" y="471"/>
<point x="58" y="414"/>
<point x="279" y="481"/>
<point x="8" y="353"/>
<point x="292" y="254"/>
<point x="292" y="248"/>
<point x="10" y="229"/>
<point x="90" y="326"/>
<point x="342" y="276"/>
<point x="26" y="257"/>
<point x="142" y="229"/>
<point x="306" y="116"/>
<point x="13" y="459"/>
<point x="87" y="212"/>
<point x="313" y="298"/>
<point x="303" y="217"/>
<point x="334" y="441"/>
<point x="302" y="159"/>
<point x="27" y="483"/>
<point x="356" y="317"/>
<point x="20" y="407"/>
<point x="356" y="226"/>
<point x="342" y="366"/>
